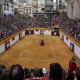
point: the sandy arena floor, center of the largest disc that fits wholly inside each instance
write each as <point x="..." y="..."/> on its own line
<point x="30" y="54"/>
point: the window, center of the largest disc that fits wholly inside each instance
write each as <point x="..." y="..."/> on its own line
<point x="29" y="11"/>
<point x="42" y="9"/>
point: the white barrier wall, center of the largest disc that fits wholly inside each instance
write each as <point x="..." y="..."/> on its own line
<point x="48" y="32"/>
<point x="36" y="31"/>
<point x="65" y="40"/>
<point x="68" y="41"/>
<point x="2" y="48"/>
<point x="23" y="33"/>
<point x="60" y="35"/>
<point x="16" y="38"/>
<point x="77" y="50"/>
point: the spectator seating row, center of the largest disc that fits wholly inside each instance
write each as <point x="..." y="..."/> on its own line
<point x="55" y="72"/>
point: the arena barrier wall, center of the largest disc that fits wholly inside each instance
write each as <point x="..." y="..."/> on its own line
<point x="42" y="31"/>
<point x="47" y="32"/>
<point x="5" y="44"/>
<point x="2" y="47"/>
<point x="71" y="43"/>
<point x="23" y="33"/>
<point x="36" y="31"/>
<point x="20" y="35"/>
<point x="27" y="32"/>
<point x="32" y="31"/>
<point x="72" y="46"/>
<point x="15" y="40"/>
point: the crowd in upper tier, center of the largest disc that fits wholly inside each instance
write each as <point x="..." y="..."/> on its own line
<point x="10" y="24"/>
<point x="69" y="26"/>
<point x="42" y="21"/>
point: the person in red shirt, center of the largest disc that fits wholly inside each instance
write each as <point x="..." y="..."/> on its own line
<point x="42" y="42"/>
<point x="72" y="64"/>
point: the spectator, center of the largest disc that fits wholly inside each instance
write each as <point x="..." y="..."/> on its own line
<point x="41" y="72"/>
<point x="27" y="73"/>
<point x="78" y="73"/>
<point x="5" y="74"/>
<point x="36" y="72"/>
<point x="55" y="71"/>
<point x="16" y="72"/>
<point x="1" y="70"/>
<point x="70" y="75"/>
<point x="64" y="74"/>
<point x="72" y="64"/>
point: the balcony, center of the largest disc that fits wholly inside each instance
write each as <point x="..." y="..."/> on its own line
<point x="48" y="9"/>
<point x="48" y="4"/>
<point x="35" y="5"/>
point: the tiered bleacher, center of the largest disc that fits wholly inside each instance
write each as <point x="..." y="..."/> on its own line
<point x="10" y="24"/>
<point x="69" y="26"/>
<point x="42" y="21"/>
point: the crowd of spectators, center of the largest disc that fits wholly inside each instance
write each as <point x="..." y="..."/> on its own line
<point x="69" y="26"/>
<point x="41" y="21"/>
<point x="10" y="24"/>
<point x="26" y="19"/>
<point x="55" y="72"/>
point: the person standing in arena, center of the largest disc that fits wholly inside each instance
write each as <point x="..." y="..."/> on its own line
<point x="72" y="64"/>
<point x="42" y="42"/>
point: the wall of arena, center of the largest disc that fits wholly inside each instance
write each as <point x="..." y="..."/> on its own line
<point x="5" y="44"/>
<point x="71" y="43"/>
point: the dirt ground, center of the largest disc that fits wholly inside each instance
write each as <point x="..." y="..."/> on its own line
<point x="30" y="54"/>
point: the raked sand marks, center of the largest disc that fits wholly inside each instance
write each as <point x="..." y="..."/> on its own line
<point x="29" y="53"/>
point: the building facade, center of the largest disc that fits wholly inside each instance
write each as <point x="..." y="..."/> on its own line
<point x="49" y="7"/>
<point x="43" y="7"/>
<point x="73" y="9"/>
<point x="61" y="5"/>
<point x="27" y="10"/>
<point x="23" y="7"/>
<point x="6" y="7"/>
<point x="40" y="7"/>
<point x="35" y="6"/>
